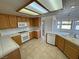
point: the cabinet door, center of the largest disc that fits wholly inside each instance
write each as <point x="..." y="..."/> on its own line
<point x="36" y="22"/>
<point x="4" y="21"/>
<point x="17" y="39"/>
<point x="21" y="19"/>
<point x="71" y="50"/>
<point x="36" y="34"/>
<point x="31" y="34"/>
<point x="14" y="55"/>
<point x="30" y="22"/>
<point x="13" y="21"/>
<point x="60" y="42"/>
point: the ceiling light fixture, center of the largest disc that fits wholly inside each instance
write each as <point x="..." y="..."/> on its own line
<point x="36" y="7"/>
<point x="28" y="12"/>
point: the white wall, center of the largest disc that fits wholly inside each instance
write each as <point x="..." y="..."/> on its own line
<point x="48" y="24"/>
<point x="67" y="13"/>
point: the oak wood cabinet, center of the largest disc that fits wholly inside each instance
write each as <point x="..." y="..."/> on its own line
<point x="4" y="21"/>
<point x="17" y="39"/>
<point x="71" y="50"/>
<point x="13" y="22"/>
<point x="13" y="55"/>
<point x="60" y="42"/>
<point x="31" y="34"/>
<point x="35" y="34"/>
<point x="21" y="19"/>
<point x="34" y="22"/>
<point x="31" y="22"/>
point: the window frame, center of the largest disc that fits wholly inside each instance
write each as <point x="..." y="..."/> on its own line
<point x="61" y="24"/>
<point x="76" y="24"/>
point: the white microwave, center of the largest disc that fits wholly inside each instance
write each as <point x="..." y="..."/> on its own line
<point x="22" y="24"/>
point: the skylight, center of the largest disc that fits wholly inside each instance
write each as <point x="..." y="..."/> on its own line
<point x="36" y="7"/>
<point x="51" y="4"/>
<point x="28" y="12"/>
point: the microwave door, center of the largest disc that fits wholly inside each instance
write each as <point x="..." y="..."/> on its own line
<point x="22" y="24"/>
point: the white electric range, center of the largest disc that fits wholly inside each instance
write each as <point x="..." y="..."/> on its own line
<point x="24" y="36"/>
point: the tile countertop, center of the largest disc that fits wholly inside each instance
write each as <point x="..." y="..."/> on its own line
<point x="7" y="45"/>
<point x="69" y="38"/>
<point x="14" y="34"/>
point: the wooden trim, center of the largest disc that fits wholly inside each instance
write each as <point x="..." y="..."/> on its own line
<point x="42" y="5"/>
<point x="25" y="5"/>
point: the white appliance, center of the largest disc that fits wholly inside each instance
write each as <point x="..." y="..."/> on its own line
<point x="51" y="38"/>
<point x="22" y="24"/>
<point x="24" y="36"/>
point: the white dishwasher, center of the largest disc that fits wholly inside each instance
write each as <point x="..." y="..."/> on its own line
<point x="51" y="38"/>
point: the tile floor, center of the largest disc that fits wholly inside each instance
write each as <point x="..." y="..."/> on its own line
<point x="37" y="49"/>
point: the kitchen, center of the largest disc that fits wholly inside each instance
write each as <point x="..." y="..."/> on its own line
<point x="37" y="29"/>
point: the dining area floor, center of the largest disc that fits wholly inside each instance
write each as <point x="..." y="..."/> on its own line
<point x="38" y="49"/>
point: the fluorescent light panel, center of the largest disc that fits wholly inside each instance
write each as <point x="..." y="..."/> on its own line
<point x="51" y="4"/>
<point x="28" y="12"/>
<point x="36" y="7"/>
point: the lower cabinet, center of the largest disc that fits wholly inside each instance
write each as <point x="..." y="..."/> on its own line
<point x="60" y="42"/>
<point x="71" y="50"/>
<point x="31" y="34"/>
<point x="17" y="39"/>
<point x="13" y="55"/>
<point x="35" y="34"/>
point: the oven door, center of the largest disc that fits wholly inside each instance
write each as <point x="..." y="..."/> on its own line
<point x="25" y="38"/>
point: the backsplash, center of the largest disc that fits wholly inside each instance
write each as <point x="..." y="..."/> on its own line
<point x="16" y="30"/>
<point x="12" y="31"/>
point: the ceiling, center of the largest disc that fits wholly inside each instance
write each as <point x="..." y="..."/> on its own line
<point x="10" y="7"/>
<point x="40" y="7"/>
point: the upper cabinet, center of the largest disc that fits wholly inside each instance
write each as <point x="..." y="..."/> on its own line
<point x="4" y="21"/>
<point x="13" y="21"/>
<point x="9" y="21"/>
<point x="21" y="19"/>
<point x="30" y="22"/>
<point x="34" y="22"/>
